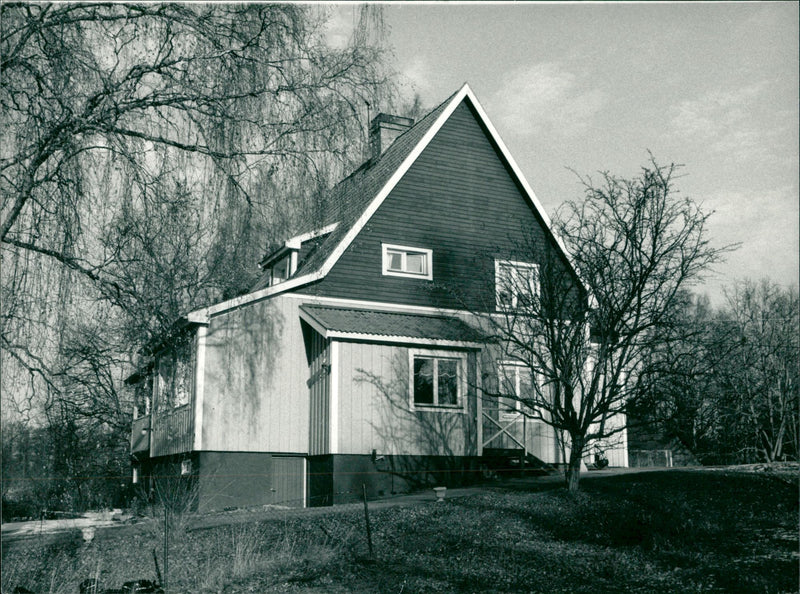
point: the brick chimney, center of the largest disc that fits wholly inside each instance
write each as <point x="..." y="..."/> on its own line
<point x="383" y="130"/>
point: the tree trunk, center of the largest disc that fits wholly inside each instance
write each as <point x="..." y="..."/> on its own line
<point x="573" y="472"/>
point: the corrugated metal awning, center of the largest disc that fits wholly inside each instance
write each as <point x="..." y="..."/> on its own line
<point x="387" y="326"/>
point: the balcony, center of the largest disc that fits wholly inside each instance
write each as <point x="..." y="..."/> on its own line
<point x="173" y="432"/>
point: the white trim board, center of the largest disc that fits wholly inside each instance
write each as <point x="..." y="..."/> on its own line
<point x="199" y="386"/>
<point x="333" y="404"/>
<point x="296" y="242"/>
<point x="410" y="340"/>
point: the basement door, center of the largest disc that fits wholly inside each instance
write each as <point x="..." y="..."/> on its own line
<point x="289" y="481"/>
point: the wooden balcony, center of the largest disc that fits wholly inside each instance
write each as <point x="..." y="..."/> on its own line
<point x="140" y="435"/>
<point x="173" y="432"/>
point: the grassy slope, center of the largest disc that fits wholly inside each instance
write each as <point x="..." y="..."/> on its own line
<point x="673" y="531"/>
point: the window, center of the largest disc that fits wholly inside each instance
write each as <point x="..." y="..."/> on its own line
<point x="411" y="262"/>
<point x="516" y="284"/>
<point x="515" y="381"/>
<point x="280" y="271"/>
<point x="437" y="380"/>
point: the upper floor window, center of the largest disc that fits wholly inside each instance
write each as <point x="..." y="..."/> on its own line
<point x="516" y="284"/>
<point x="437" y="379"/>
<point x="411" y="262"/>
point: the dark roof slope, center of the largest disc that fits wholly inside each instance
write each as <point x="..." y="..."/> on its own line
<point x="392" y="324"/>
<point x="350" y="197"/>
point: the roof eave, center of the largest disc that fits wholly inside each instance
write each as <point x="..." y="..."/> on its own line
<point x="204" y="315"/>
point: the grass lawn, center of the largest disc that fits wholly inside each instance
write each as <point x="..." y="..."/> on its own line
<point x="670" y="531"/>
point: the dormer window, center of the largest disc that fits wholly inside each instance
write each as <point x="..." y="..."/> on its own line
<point x="281" y="270"/>
<point x="399" y="260"/>
<point x="281" y="264"/>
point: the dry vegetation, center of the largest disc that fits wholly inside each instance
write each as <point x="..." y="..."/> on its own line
<point x="674" y="531"/>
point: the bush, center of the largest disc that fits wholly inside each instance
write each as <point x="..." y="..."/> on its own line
<point x="14" y="509"/>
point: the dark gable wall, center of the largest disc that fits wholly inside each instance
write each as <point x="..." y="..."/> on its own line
<point x="459" y="200"/>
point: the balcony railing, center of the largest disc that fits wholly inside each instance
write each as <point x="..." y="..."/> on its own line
<point x="140" y="435"/>
<point x="172" y="432"/>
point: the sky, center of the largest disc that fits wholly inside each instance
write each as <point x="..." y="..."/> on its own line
<point x="589" y="87"/>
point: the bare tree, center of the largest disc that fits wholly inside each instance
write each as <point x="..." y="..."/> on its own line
<point x="758" y="380"/>
<point x="636" y="246"/>
<point x="117" y="115"/>
<point x="677" y="395"/>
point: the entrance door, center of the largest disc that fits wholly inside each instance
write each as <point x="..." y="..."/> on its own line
<point x="288" y="480"/>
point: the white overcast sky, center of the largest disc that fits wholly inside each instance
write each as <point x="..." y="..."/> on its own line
<point x="593" y="87"/>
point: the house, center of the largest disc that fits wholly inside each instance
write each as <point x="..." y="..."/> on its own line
<point x="358" y="358"/>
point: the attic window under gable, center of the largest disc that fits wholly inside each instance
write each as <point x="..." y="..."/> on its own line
<point x="399" y="260"/>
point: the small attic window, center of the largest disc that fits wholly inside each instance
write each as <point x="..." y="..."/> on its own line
<point x="406" y="261"/>
<point x="281" y="270"/>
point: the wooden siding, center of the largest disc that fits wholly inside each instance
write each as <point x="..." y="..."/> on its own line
<point x="255" y="395"/>
<point x="319" y="394"/>
<point x="374" y="410"/>
<point x="458" y="199"/>
<point x="172" y="432"/>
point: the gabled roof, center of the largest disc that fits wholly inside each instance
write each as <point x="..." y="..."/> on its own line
<point x="383" y="326"/>
<point x="351" y="196"/>
<point x="358" y="196"/>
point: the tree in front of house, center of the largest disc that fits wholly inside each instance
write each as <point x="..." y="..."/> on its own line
<point x="587" y="333"/>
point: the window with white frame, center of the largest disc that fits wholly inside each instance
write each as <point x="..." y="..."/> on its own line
<point x="406" y="261"/>
<point x="437" y="379"/>
<point x="516" y="385"/>
<point x="516" y="284"/>
<point x="280" y="271"/>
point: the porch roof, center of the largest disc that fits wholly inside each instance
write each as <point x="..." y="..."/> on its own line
<point x="388" y="326"/>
